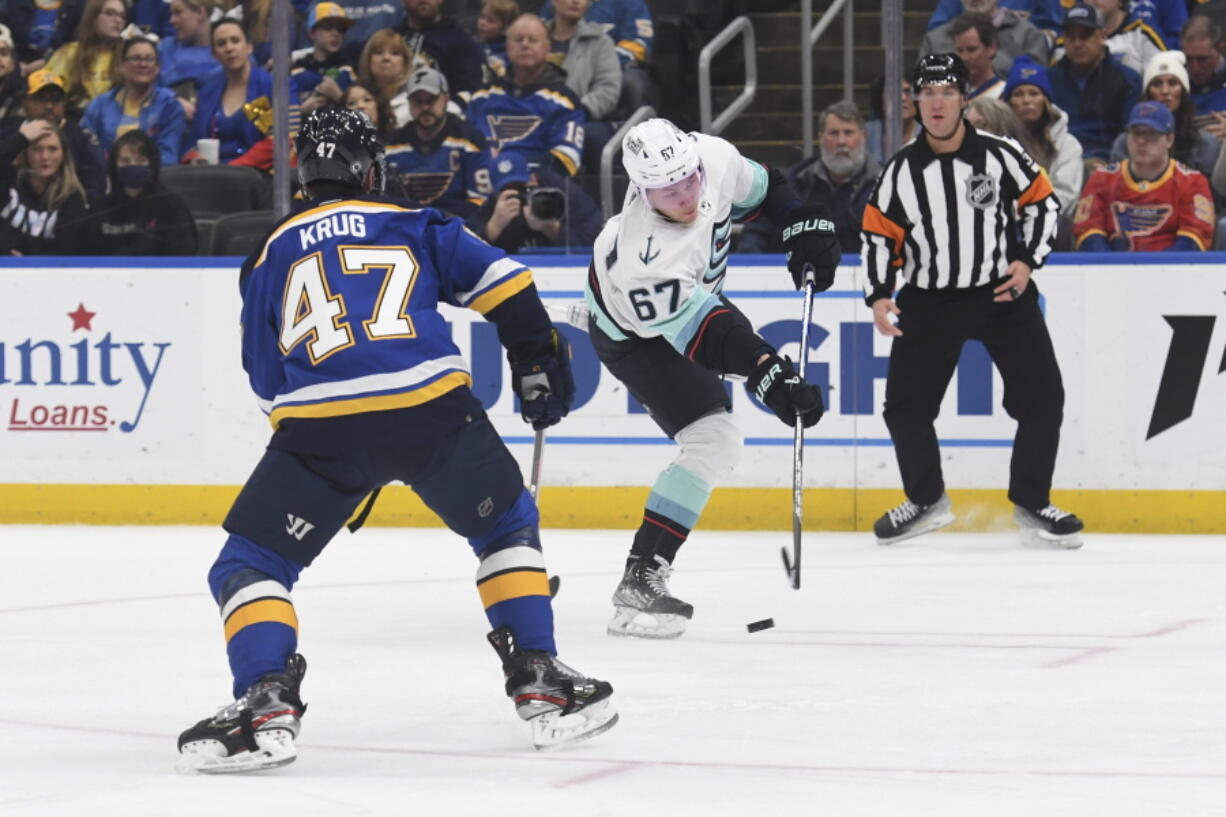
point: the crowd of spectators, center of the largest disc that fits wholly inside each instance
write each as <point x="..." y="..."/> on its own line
<point x="500" y="119"/>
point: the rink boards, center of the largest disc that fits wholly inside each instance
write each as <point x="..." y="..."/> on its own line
<point x="124" y="401"/>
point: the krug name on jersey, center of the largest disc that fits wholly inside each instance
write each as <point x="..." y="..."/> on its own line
<point x="335" y="226"/>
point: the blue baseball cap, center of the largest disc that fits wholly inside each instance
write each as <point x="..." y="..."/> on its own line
<point x="1083" y="14"/>
<point x="509" y="167"/>
<point x="1152" y="115"/>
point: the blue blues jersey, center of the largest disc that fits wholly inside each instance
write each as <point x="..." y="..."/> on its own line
<point x="305" y="72"/>
<point x="340" y="308"/>
<point x="449" y="172"/>
<point x="540" y="121"/>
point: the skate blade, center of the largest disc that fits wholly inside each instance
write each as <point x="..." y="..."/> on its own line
<point x="935" y="523"/>
<point x="1035" y="538"/>
<point x="553" y="730"/>
<point x="630" y="623"/>
<point x="276" y="750"/>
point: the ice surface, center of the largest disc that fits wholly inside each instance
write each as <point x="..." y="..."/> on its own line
<point x="953" y="675"/>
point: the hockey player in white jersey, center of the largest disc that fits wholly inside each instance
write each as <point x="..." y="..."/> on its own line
<point x="661" y="326"/>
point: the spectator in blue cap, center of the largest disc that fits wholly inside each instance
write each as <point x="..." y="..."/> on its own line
<point x="1166" y="81"/>
<point x="1149" y="202"/>
<point x="534" y="207"/>
<point x="1028" y="92"/>
<point x="1091" y="85"/>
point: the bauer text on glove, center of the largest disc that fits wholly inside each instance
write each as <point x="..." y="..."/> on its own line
<point x="810" y="242"/>
<point x="777" y="385"/>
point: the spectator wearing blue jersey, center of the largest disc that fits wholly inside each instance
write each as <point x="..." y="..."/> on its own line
<point x="436" y="41"/>
<point x="492" y="23"/>
<point x="439" y="159"/>
<point x="531" y="111"/>
<point x="1203" y="44"/>
<point x="320" y="74"/>
<point x="219" y="106"/>
<point x="629" y="24"/>
<point x="139" y="103"/>
<point x="535" y="207"/>
<point x="186" y="59"/>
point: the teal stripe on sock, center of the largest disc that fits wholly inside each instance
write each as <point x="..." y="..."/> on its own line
<point x="680" y="495"/>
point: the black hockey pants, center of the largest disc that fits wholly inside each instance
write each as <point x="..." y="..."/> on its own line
<point x="935" y="325"/>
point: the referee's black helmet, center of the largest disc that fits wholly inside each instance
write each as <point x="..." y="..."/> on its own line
<point x="339" y="146"/>
<point x="941" y="69"/>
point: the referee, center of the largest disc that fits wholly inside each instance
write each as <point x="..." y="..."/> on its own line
<point x="965" y="217"/>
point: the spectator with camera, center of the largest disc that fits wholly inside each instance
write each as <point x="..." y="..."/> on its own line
<point x="535" y="207"/>
<point x="138" y="216"/>
<point x="439" y="158"/>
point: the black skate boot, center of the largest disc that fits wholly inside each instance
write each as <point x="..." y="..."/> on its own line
<point x="909" y="519"/>
<point x="642" y="605"/>
<point x="255" y="732"/>
<point x="563" y="706"/>
<point x="1048" y="527"/>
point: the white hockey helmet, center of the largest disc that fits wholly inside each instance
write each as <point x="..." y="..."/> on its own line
<point x="656" y="153"/>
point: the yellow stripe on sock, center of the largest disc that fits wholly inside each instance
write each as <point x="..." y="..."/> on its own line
<point x="513" y="586"/>
<point x="277" y="610"/>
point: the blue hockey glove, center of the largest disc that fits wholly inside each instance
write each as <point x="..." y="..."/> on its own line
<point x="809" y="239"/>
<point x="544" y="383"/>
<point x="777" y="386"/>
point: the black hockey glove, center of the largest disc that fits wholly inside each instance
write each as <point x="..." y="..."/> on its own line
<point x="808" y="237"/>
<point x="775" y="383"/>
<point x="544" y="383"/>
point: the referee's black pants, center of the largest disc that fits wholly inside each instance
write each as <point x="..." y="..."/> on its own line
<point x="935" y="325"/>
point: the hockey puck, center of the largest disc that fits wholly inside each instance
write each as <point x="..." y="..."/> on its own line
<point x="758" y="626"/>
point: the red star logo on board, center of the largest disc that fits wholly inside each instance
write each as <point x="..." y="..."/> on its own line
<point x="81" y="318"/>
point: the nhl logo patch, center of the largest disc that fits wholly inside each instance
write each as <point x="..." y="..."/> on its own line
<point x="981" y="191"/>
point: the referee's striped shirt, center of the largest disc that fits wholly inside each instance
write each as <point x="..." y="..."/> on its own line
<point x="956" y="220"/>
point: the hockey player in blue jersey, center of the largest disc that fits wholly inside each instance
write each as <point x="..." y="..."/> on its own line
<point x="346" y="351"/>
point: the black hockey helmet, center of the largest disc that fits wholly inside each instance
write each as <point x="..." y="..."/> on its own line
<point x="339" y="145"/>
<point x="941" y="69"/>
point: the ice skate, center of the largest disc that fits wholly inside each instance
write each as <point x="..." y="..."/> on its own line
<point x="255" y="732"/>
<point x="909" y="520"/>
<point x="562" y="706"/>
<point x="1048" y="527"/>
<point x="642" y="605"/>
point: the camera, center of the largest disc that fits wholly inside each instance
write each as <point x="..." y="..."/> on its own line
<point x="545" y="203"/>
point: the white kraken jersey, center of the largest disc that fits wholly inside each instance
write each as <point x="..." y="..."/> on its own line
<point x="653" y="277"/>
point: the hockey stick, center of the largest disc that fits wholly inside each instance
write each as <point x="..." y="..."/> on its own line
<point x="534" y="487"/>
<point x="791" y="564"/>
